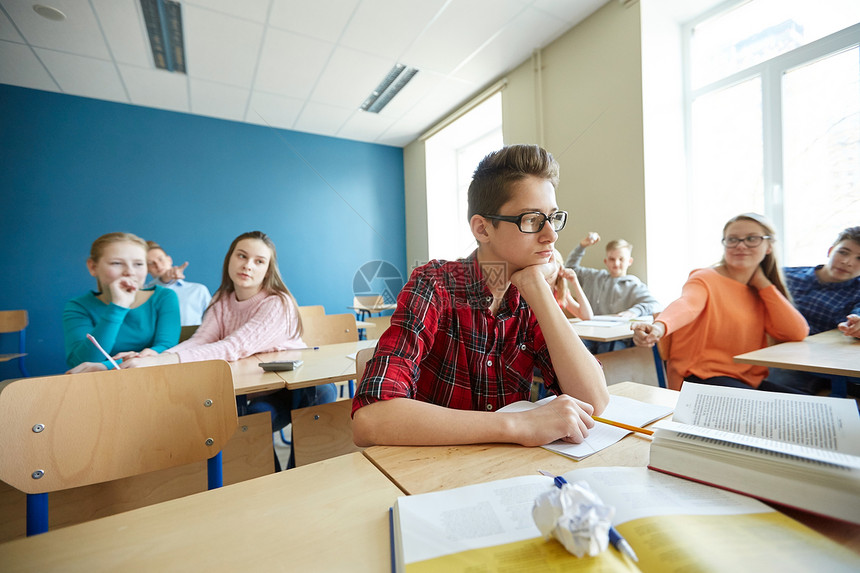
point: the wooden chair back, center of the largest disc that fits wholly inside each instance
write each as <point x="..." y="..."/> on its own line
<point x="381" y="324"/>
<point x="16" y="321"/>
<point x="325" y="431"/>
<point x="311" y="310"/>
<point x="368" y="301"/>
<point x="71" y="430"/>
<point x="329" y="329"/>
<point x="187" y="332"/>
<point x="13" y="320"/>
<point x="635" y="364"/>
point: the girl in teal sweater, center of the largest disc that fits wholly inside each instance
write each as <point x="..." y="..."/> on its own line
<point x="123" y="316"/>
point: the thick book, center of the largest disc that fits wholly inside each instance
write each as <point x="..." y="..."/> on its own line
<point x="620" y="409"/>
<point x="672" y="524"/>
<point x="796" y="450"/>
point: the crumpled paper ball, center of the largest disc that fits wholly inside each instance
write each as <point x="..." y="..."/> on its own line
<point x="576" y="516"/>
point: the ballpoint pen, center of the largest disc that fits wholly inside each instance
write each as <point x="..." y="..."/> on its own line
<point x="615" y="538"/>
<point x="102" y="350"/>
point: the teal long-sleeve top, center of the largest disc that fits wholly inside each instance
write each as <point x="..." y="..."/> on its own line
<point x="154" y="324"/>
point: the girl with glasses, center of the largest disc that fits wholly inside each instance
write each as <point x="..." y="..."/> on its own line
<point x="726" y="310"/>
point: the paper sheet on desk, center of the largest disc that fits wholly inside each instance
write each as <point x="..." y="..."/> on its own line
<point x="601" y="436"/>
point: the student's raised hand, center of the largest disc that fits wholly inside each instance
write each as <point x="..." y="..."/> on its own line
<point x="590" y="239"/>
<point x="174" y="273"/>
<point x="564" y="418"/>
<point x="851" y="326"/>
<point x="123" y="291"/>
<point x="87" y="367"/>
<point x="648" y="334"/>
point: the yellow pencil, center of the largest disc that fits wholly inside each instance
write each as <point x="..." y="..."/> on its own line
<point x="625" y="426"/>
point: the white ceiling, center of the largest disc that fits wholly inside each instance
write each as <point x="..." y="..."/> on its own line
<point x="305" y="65"/>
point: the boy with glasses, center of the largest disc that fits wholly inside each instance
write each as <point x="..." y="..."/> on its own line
<point x="467" y="335"/>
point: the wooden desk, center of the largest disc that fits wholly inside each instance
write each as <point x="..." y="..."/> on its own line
<point x="456" y="466"/>
<point x="249" y="378"/>
<point x="419" y="469"/>
<point x="620" y="331"/>
<point x="331" y="363"/>
<point x="828" y="352"/>
<point x="303" y="519"/>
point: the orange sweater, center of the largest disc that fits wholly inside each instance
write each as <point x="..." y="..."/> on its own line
<point x="717" y="318"/>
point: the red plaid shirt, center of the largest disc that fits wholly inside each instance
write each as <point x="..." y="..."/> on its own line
<point x="445" y="347"/>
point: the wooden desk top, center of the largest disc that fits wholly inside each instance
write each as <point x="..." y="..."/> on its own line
<point x="619" y="331"/>
<point x="303" y="519"/>
<point x="249" y="378"/>
<point x="419" y="469"/>
<point x="331" y="363"/>
<point x="456" y="466"/>
<point x="828" y="352"/>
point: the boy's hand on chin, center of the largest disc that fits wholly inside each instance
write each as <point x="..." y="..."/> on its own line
<point x="532" y="274"/>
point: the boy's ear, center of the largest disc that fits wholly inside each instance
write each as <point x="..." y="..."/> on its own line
<point x="629" y="261"/>
<point x="479" y="228"/>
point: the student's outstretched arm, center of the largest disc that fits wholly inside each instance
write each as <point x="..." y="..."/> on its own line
<point x="578" y="372"/>
<point x="405" y="421"/>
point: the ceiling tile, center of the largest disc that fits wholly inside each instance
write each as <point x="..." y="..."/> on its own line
<point x="323" y="119"/>
<point x="123" y="26"/>
<point x="290" y="64"/>
<point x="349" y="78"/>
<point x="388" y="27"/>
<point x="273" y="110"/>
<point x="79" y="33"/>
<point x="365" y="126"/>
<point x="253" y="10"/>
<point x="19" y="66"/>
<point x="571" y="12"/>
<point x="220" y="48"/>
<point x="81" y="76"/>
<point x="458" y="32"/>
<point x="7" y="30"/>
<point x="513" y="45"/>
<point x="218" y="100"/>
<point x="321" y="19"/>
<point x="156" y="88"/>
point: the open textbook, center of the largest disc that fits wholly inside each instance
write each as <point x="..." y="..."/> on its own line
<point x="672" y="525"/>
<point x="800" y="451"/>
<point x="620" y="409"/>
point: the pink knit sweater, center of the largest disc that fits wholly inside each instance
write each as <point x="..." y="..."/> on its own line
<point x="234" y="329"/>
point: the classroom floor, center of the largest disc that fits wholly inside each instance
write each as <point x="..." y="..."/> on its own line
<point x="282" y="449"/>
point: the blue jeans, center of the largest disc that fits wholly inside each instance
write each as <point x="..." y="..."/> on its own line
<point x="281" y="404"/>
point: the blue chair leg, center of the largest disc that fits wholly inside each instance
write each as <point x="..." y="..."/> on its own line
<point x="352" y="388"/>
<point x="215" y="470"/>
<point x="37" y="513"/>
<point x="658" y="364"/>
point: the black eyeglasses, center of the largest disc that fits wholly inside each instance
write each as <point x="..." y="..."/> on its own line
<point x="751" y="241"/>
<point x="533" y="221"/>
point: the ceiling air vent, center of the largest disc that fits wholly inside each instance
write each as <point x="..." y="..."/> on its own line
<point x="164" y="26"/>
<point x="389" y="87"/>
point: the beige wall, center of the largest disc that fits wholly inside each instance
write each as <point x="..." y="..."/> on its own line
<point x="591" y="96"/>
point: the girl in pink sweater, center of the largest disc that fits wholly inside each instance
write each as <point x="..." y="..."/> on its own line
<point x="251" y="312"/>
<point x="726" y="310"/>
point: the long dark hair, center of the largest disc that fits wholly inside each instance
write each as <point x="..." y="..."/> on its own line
<point x="272" y="282"/>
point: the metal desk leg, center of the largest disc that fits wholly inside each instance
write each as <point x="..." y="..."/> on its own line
<point x="658" y="364"/>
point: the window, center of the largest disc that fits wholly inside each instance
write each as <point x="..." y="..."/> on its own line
<point x="452" y="155"/>
<point x="773" y="107"/>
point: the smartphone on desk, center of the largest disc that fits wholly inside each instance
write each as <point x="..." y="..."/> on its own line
<point x="280" y="365"/>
